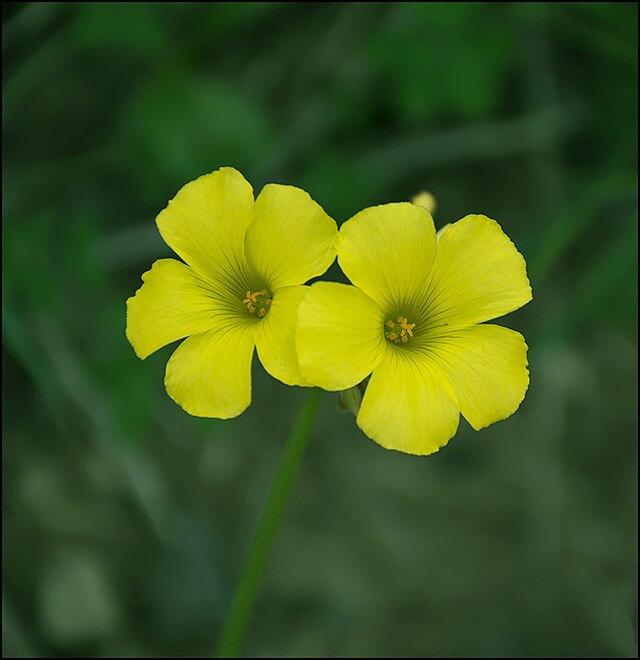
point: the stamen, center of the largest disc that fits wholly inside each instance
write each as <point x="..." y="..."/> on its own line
<point x="407" y="328"/>
<point x="258" y="302"/>
<point x="399" y="331"/>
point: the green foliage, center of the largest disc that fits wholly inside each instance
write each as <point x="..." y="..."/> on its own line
<point x="224" y="125"/>
<point x="126" y="521"/>
<point x="444" y="60"/>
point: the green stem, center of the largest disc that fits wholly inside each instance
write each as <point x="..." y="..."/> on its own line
<point x="247" y="588"/>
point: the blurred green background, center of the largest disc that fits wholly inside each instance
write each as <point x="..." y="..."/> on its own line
<point x="126" y="521"/>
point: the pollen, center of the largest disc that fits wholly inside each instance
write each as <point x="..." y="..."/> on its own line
<point x="258" y="302"/>
<point x="399" y="331"/>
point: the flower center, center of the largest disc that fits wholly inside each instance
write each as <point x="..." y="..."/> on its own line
<point x="399" y="331"/>
<point x="258" y="302"/>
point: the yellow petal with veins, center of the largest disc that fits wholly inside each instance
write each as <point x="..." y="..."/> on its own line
<point x="487" y="368"/>
<point x="478" y="274"/>
<point x="339" y="336"/>
<point x="409" y="404"/>
<point x="209" y="375"/>
<point x="173" y="303"/>
<point x="290" y="239"/>
<point x="275" y="336"/>
<point x="206" y="222"/>
<point x="387" y="251"/>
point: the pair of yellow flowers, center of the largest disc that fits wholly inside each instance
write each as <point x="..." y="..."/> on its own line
<point x="410" y="322"/>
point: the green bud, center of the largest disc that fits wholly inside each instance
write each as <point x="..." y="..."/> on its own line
<point x="350" y="400"/>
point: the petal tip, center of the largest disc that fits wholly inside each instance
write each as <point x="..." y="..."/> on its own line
<point x="129" y="325"/>
<point x="203" y="411"/>
<point x="391" y="445"/>
<point x="223" y="175"/>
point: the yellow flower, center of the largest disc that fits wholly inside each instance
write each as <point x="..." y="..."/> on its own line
<point x="239" y="289"/>
<point x="412" y="321"/>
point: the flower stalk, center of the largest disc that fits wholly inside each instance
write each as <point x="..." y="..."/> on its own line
<point x="246" y="590"/>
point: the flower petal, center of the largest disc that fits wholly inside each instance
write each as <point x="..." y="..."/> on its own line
<point x="206" y="222"/>
<point x="291" y="238"/>
<point x="209" y="375"/>
<point x="174" y="302"/>
<point x="478" y="274"/>
<point x="409" y="404"/>
<point x="275" y="336"/>
<point x="487" y="368"/>
<point x="387" y="251"/>
<point x="339" y="336"/>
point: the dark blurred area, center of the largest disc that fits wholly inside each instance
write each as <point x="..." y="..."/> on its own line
<point x="126" y="521"/>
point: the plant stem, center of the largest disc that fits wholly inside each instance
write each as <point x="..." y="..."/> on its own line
<point x="245" y="593"/>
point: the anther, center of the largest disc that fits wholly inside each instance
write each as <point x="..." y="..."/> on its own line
<point x="258" y="302"/>
<point x="399" y="331"/>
